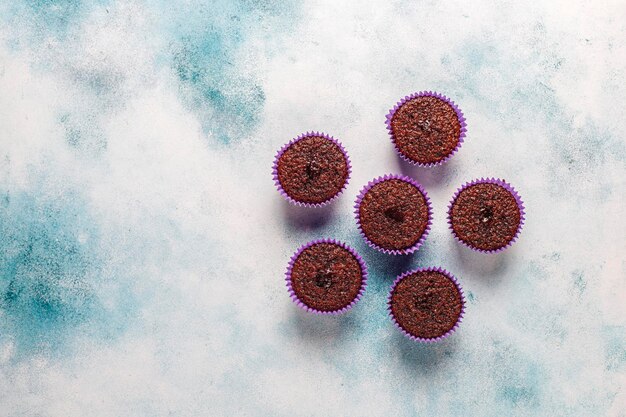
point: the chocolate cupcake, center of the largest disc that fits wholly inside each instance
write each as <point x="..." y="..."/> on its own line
<point x="487" y="215"/>
<point x="426" y="304"/>
<point x="326" y="277"/>
<point x="426" y="128"/>
<point x="312" y="169"/>
<point x="393" y="214"/>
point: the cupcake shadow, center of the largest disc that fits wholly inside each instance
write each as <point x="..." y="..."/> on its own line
<point x="307" y="218"/>
<point x="318" y="329"/>
<point x="428" y="176"/>
<point x="491" y="266"/>
<point x="382" y="264"/>
<point x="424" y="358"/>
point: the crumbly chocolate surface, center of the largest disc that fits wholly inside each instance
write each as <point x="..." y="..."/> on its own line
<point x="326" y="277"/>
<point x="426" y="304"/>
<point x="393" y="214"/>
<point x="426" y="129"/>
<point x="312" y="170"/>
<point x="485" y="216"/>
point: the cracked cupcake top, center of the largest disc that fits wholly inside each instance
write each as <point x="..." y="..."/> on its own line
<point x="426" y="304"/>
<point x="425" y="129"/>
<point x="485" y="216"/>
<point x="326" y="277"/>
<point x="313" y="169"/>
<point x="393" y="214"/>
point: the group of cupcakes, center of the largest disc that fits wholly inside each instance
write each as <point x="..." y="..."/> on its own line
<point x="393" y="215"/>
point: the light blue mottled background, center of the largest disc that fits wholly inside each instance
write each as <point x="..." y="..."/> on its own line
<point x="143" y="246"/>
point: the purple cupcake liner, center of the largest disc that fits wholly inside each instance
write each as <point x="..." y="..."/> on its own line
<point x="411" y="181"/>
<point x="422" y="339"/>
<point x="509" y="188"/>
<point x="457" y="110"/>
<point x="291" y="142"/>
<point x="295" y="256"/>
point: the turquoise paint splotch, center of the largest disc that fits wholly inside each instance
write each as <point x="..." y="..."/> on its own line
<point x="526" y="82"/>
<point x="46" y="19"/>
<point x="206" y="51"/>
<point x="579" y="282"/>
<point x="44" y="267"/>
<point x="518" y="377"/>
<point x="51" y="271"/>
<point x="84" y="136"/>
<point x="614" y="348"/>
<point x="228" y="104"/>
